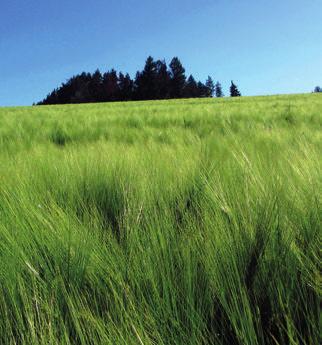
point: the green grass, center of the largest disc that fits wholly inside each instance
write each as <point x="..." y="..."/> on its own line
<point x="169" y="222"/>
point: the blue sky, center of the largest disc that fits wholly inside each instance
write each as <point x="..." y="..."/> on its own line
<point x="266" y="47"/>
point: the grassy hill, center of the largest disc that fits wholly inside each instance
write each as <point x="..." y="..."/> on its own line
<point x="168" y="222"/>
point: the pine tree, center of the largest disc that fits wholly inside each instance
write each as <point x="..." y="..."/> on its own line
<point x="218" y="90"/>
<point x="178" y="78"/>
<point x="125" y="86"/>
<point x="136" y="86"/>
<point x="210" y="86"/>
<point x="162" y="80"/>
<point x="110" y="86"/>
<point x="155" y="81"/>
<point x="202" y="90"/>
<point x="148" y="80"/>
<point x="145" y="82"/>
<point x="234" y="92"/>
<point x="191" y="88"/>
<point x="95" y="87"/>
<point x="79" y="91"/>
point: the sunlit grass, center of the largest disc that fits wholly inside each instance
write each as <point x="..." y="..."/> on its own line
<point x="169" y="222"/>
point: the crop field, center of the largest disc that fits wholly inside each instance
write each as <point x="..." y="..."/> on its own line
<point x="169" y="222"/>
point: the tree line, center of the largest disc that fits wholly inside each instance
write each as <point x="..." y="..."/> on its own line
<point x="155" y="81"/>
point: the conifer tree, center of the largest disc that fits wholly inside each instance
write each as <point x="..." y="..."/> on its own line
<point x="145" y="82"/>
<point x="191" y="88"/>
<point x="178" y="78"/>
<point x="202" y="90"/>
<point x="234" y="92"/>
<point x="155" y="81"/>
<point x="218" y="90"/>
<point x="110" y="86"/>
<point x="162" y="80"/>
<point x="210" y="86"/>
<point x="95" y="87"/>
<point x="125" y="87"/>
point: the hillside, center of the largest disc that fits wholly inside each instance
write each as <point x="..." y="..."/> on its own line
<point x="164" y="222"/>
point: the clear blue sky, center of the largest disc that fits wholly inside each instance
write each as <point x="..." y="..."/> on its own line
<point x="267" y="47"/>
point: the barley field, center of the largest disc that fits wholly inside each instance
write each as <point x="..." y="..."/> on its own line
<point x="180" y="222"/>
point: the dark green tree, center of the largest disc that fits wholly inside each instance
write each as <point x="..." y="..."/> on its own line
<point x="95" y="87"/>
<point x="125" y="86"/>
<point x="146" y="83"/>
<point x="317" y="89"/>
<point x="80" y="91"/>
<point x="155" y="81"/>
<point x="191" y="88"/>
<point x="110" y="86"/>
<point x="162" y="80"/>
<point x="202" y="90"/>
<point x="178" y="78"/>
<point x="234" y="92"/>
<point x="210" y="86"/>
<point x="137" y="92"/>
<point x="218" y="90"/>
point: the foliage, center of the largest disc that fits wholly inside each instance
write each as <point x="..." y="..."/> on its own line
<point x="218" y="90"/>
<point x="210" y="86"/>
<point x="156" y="81"/>
<point x="234" y="92"/>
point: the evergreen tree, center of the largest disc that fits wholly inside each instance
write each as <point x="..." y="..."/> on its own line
<point x="65" y="91"/>
<point x="191" y="88"/>
<point x="155" y="81"/>
<point x="146" y="81"/>
<point x="95" y="87"/>
<point x="110" y="86"/>
<point x="234" y="92"/>
<point x="125" y="87"/>
<point x="178" y="78"/>
<point x="50" y="99"/>
<point x="202" y="90"/>
<point x="218" y="90"/>
<point x="79" y="91"/>
<point x="162" y="80"/>
<point x="210" y="86"/>
<point x="136" y="86"/>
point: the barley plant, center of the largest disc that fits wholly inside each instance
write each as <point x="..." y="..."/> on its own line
<point x="168" y="222"/>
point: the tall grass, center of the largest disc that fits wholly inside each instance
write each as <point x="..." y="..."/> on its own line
<point x="171" y="222"/>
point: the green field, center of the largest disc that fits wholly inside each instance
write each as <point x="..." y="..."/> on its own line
<point x="167" y="222"/>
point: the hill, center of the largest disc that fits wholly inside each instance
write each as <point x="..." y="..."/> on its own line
<point x="166" y="222"/>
